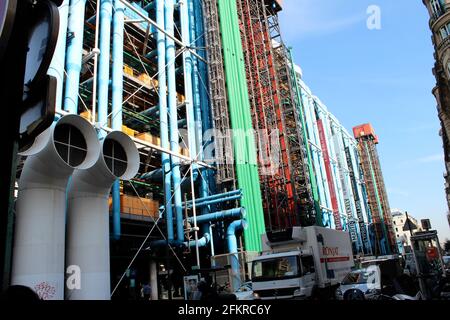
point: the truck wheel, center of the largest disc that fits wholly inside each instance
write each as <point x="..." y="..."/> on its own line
<point x="315" y="295"/>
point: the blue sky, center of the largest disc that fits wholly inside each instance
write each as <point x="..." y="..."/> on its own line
<point x="379" y="76"/>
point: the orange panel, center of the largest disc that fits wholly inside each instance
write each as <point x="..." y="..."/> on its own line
<point x="364" y="130"/>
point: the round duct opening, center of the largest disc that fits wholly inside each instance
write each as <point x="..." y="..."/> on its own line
<point x="70" y="144"/>
<point x="115" y="157"/>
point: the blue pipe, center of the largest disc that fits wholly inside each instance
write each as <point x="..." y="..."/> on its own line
<point x="208" y="203"/>
<point x="90" y="80"/>
<point x="204" y="183"/>
<point x="217" y="196"/>
<point x="164" y="243"/>
<point x="238" y="213"/>
<point x="117" y="100"/>
<point x="234" y="227"/>
<point x="74" y="55"/>
<point x="117" y="67"/>
<point x="195" y="82"/>
<point x="187" y="66"/>
<point x="151" y="54"/>
<point x="182" y="123"/>
<point x="235" y="195"/>
<point x="153" y="175"/>
<point x="56" y="68"/>
<point x="203" y="242"/>
<point x="164" y="125"/>
<point x="203" y="114"/>
<point x="150" y="111"/>
<point x="216" y="201"/>
<point x="103" y="68"/>
<point x="151" y="5"/>
<point x="203" y="72"/>
<point x="172" y="104"/>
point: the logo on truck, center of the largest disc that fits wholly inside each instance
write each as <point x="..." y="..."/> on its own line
<point x="332" y="255"/>
<point x="327" y="251"/>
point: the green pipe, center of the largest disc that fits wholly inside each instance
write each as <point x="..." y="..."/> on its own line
<point x="241" y="122"/>
<point x="312" y="176"/>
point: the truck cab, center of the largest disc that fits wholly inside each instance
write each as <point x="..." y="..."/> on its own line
<point x="301" y="262"/>
<point x="290" y="275"/>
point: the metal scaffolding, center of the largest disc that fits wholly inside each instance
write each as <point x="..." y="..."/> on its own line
<point x="225" y="171"/>
<point x="377" y="196"/>
<point x="293" y="124"/>
<point x="275" y="165"/>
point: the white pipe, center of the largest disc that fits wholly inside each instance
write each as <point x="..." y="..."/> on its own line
<point x="88" y="219"/>
<point x="38" y="253"/>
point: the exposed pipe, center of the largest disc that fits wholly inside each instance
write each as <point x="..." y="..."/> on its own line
<point x="195" y="83"/>
<point x="117" y="65"/>
<point x="238" y="213"/>
<point x="172" y="104"/>
<point x="201" y="243"/>
<point x="233" y="214"/>
<point x="217" y="196"/>
<point x="233" y="228"/>
<point x="117" y="101"/>
<point x="103" y="68"/>
<point x="188" y="68"/>
<point x="150" y="111"/>
<point x="207" y="203"/>
<point x="88" y="215"/>
<point x="96" y="51"/>
<point x="38" y="254"/>
<point x="163" y="119"/>
<point x="74" y="55"/>
<point x="216" y="201"/>
<point x="203" y="107"/>
<point x="57" y="65"/>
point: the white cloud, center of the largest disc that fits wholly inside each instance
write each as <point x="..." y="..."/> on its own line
<point x="431" y="158"/>
<point x="397" y="192"/>
<point x="303" y="18"/>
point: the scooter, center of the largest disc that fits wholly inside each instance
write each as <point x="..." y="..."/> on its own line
<point x="401" y="297"/>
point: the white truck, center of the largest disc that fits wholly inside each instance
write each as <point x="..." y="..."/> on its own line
<point x="301" y="263"/>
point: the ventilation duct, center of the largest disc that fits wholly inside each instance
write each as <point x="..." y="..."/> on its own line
<point x="38" y="253"/>
<point x="88" y="215"/>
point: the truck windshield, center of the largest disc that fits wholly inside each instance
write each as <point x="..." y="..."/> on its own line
<point x="275" y="269"/>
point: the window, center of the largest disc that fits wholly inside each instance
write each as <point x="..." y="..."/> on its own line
<point x="396" y="229"/>
<point x="308" y="265"/>
<point x="436" y="7"/>
<point x="445" y="31"/>
<point x="275" y="269"/>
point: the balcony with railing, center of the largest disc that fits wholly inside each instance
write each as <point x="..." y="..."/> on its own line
<point x="438" y="10"/>
<point x="443" y="44"/>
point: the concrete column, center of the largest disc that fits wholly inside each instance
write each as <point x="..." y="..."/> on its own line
<point x="154" y="279"/>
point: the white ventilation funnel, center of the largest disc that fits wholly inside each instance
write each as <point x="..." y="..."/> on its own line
<point x="38" y="252"/>
<point x="88" y="216"/>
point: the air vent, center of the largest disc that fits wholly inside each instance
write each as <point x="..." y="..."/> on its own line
<point x="115" y="157"/>
<point x="70" y="144"/>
